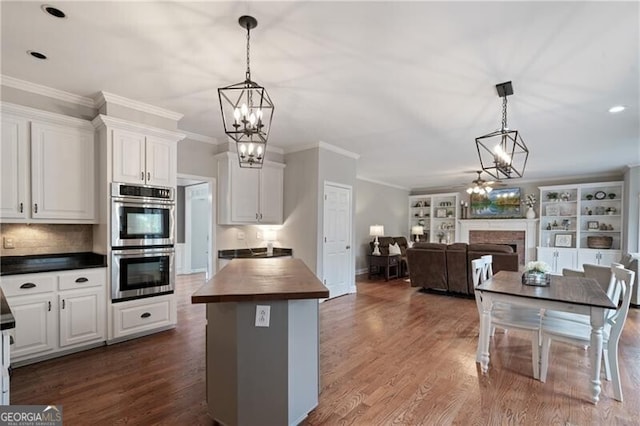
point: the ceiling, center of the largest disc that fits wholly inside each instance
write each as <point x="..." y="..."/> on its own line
<point x="406" y="85"/>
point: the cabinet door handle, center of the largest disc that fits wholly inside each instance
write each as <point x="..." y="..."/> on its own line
<point x="260" y="216"/>
<point x="82" y="280"/>
<point x="256" y="216"/>
<point x="35" y="208"/>
<point x="27" y="285"/>
<point x="21" y="207"/>
<point x="49" y="306"/>
<point x="141" y="175"/>
<point x="148" y="175"/>
<point x="63" y="304"/>
<point x="145" y="315"/>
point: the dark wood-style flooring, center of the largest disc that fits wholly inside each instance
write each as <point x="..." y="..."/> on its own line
<point x="389" y="355"/>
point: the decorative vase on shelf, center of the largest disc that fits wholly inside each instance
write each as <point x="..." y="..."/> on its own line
<point x="531" y="214"/>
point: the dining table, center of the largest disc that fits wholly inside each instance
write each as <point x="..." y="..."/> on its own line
<point x="578" y="295"/>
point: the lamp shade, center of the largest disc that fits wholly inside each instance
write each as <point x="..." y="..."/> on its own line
<point x="376" y="230"/>
<point x="417" y="230"/>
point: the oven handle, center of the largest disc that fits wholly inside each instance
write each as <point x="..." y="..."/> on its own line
<point x="147" y="251"/>
<point x="138" y="202"/>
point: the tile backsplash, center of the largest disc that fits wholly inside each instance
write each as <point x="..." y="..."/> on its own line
<point x="45" y="239"/>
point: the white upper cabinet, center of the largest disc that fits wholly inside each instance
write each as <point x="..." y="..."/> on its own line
<point x="143" y="159"/>
<point x="14" y="201"/>
<point x="48" y="167"/>
<point x="249" y="196"/>
<point x="62" y="172"/>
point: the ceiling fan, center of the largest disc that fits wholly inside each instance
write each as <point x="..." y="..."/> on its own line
<point x="480" y="186"/>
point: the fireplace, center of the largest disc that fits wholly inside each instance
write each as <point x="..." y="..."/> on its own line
<point x="521" y="232"/>
<point x="515" y="239"/>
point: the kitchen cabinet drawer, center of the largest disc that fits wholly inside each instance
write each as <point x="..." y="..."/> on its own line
<point x="28" y="284"/>
<point x="82" y="278"/>
<point x="142" y="315"/>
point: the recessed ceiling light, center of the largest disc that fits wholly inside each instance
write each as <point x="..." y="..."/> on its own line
<point x="53" y="11"/>
<point x="617" y="108"/>
<point x="37" y="55"/>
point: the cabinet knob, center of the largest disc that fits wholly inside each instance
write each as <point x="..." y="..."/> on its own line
<point x="21" y="207"/>
<point x="35" y="208"/>
<point x="348" y="247"/>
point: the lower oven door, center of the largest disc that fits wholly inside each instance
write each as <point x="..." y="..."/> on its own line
<point x="141" y="273"/>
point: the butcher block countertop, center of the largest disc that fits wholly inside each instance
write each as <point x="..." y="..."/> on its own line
<point x="244" y="280"/>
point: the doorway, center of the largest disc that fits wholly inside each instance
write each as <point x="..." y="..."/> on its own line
<point x="338" y="263"/>
<point x="195" y="225"/>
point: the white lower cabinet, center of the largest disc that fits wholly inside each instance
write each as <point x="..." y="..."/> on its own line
<point x="598" y="257"/>
<point x="558" y="259"/>
<point x="143" y="315"/>
<point x="56" y="311"/>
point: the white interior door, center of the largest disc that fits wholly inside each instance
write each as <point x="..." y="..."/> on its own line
<point x="337" y="262"/>
<point x="197" y="229"/>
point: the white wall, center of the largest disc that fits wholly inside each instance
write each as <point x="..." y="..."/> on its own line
<point x="378" y="204"/>
<point x="631" y="223"/>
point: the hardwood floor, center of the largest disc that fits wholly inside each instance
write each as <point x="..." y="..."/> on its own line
<point x="389" y="355"/>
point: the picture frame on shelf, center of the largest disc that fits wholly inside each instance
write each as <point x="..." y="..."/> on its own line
<point x="593" y="225"/>
<point x="552" y="210"/>
<point x="441" y="213"/>
<point x="563" y="240"/>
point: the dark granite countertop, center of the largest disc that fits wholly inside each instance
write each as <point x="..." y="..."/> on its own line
<point x="259" y="253"/>
<point x="7" y="321"/>
<point x="14" y="265"/>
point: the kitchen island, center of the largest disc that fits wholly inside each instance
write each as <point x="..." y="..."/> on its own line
<point x="262" y="341"/>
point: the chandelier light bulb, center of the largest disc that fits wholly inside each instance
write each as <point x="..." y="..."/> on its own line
<point x="243" y="148"/>
<point x="245" y="110"/>
<point x="469" y="190"/>
<point x="236" y="115"/>
<point x="250" y="149"/>
<point x="252" y="119"/>
<point x="259" y="150"/>
<point x="488" y="189"/>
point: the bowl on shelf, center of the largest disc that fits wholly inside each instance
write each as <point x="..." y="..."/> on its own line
<point x="599" y="242"/>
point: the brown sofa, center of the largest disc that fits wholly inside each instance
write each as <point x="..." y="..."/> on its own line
<point x="448" y="267"/>
<point x="384" y="250"/>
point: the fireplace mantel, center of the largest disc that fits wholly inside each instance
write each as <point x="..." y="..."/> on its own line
<point x="529" y="226"/>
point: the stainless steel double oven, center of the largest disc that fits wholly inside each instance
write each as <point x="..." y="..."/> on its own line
<point x="142" y="241"/>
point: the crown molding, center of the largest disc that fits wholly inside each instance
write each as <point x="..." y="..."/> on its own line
<point x="379" y="182"/>
<point x="50" y="117"/>
<point x="104" y="97"/>
<point x="201" y="138"/>
<point x="50" y="92"/>
<point x="323" y="145"/>
<point x="105" y="120"/>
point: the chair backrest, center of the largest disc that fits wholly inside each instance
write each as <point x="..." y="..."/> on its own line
<point x="615" y="321"/>
<point x="478" y="273"/>
<point x="488" y="265"/>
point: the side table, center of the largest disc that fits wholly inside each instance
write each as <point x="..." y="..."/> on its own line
<point x="390" y="264"/>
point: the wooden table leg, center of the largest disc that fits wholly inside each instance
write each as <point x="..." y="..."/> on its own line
<point x="597" y="323"/>
<point x="485" y="332"/>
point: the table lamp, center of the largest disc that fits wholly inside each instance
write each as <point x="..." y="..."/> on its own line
<point x="270" y="236"/>
<point x="417" y="230"/>
<point x="376" y="231"/>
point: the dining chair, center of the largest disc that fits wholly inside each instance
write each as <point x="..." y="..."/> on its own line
<point x="507" y="317"/>
<point x="569" y="331"/>
<point x="609" y="286"/>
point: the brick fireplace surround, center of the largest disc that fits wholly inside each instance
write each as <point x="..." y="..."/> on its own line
<point x="520" y="232"/>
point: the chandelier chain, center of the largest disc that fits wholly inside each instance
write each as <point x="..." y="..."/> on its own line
<point x="504" y="113"/>
<point x="248" y="75"/>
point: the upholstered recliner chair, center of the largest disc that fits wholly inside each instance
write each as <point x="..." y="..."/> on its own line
<point x="457" y="267"/>
<point x="428" y="266"/>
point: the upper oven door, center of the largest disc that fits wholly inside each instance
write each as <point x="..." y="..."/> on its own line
<point x="141" y="224"/>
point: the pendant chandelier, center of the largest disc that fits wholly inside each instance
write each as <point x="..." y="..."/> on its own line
<point x="503" y="154"/>
<point x="247" y="111"/>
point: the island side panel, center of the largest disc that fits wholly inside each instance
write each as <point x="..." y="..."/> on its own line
<point x="303" y="359"/>
<point x="222" y="366"/>
<point x="263" y="365"/>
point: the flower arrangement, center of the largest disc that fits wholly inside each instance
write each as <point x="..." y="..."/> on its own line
<point x="537" y="267"/>
<point x="530" y="200"/>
